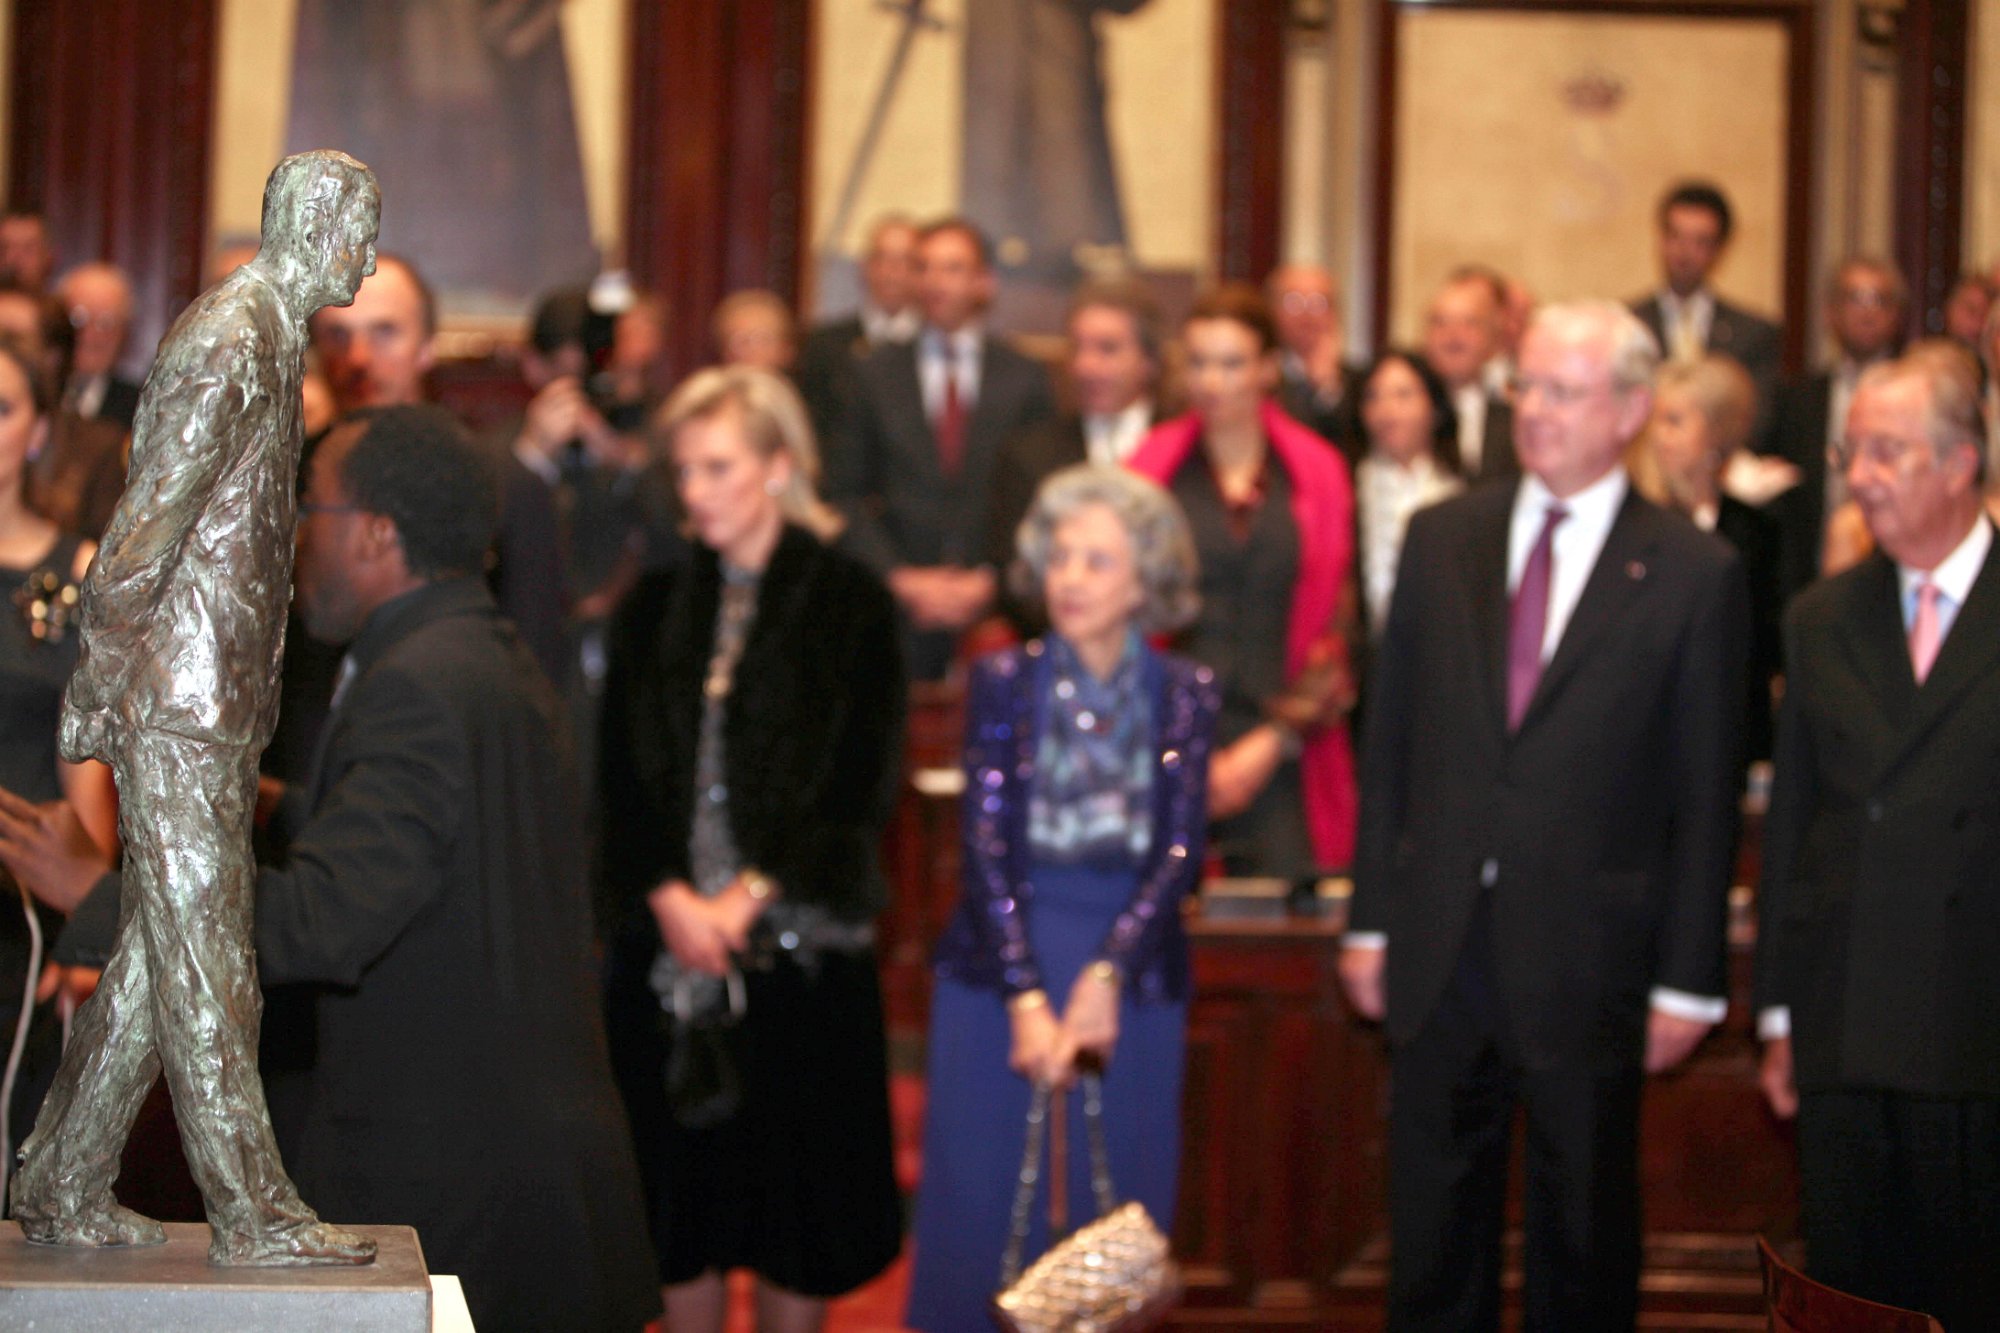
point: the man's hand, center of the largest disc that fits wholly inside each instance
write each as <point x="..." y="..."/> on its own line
<point x="689" y="928"/>
<point x="1774" y="1076"/>
<point x="562" y="412"/>
<point x="1239" y="771"/>
<point x="1361" y="978"/>
<point x="1670" y="1039"/>
<point x="941" y="597"/>
<point x="47" y="849"/>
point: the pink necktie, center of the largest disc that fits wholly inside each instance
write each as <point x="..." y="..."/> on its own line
<point x="1529" y="620"/>
<point x="950" y="425"/>
<point x="1924" y="638"/>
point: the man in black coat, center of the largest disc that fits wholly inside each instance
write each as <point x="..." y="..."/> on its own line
<point x="1547" y="822"/>
<point x="431" y="910"/>
<point x="913" y="465"/>
<point x="1464" y="338"/>
<point x="1879" y="911"/>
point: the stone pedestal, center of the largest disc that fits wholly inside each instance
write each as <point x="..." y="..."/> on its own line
<point x="173" y="1288"/>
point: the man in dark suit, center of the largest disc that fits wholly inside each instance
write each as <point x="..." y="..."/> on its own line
<point x="913" y="467"/>
<point x="430" y="908"/>
<point x="1317" y="387"/>
<point x="1686" y="316"/>
<point x="1547" y="819"/>
<point x="888" y="314"/>
<point x="1464" y="335"/>
<point x="1867" y="304"/>
<point x="1878" y="963"/>
<point x="1115" y="344"/>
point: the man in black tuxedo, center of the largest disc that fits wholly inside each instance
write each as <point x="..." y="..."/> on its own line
<point x="1867" y="305"/>
<point x="1878" y="963"/>
<point x="1465" y="329"/>
<point x="926" y="421"/>
<point x="98" y="298"/>
<point x="1685" y="315"/>
<point x="1115" y="344"/>
<point x="888" y="314"/>
<point x="1316" y="385"/>
<point x="1548" y="809"/>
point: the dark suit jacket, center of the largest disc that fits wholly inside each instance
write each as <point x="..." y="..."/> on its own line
<point x="886" y="474"/>
<point x="1497" y="458"/>
<point x="1606" y="823"/>
<point x="433" y="900"/>
<point x="1756" y="536"/>
<point x="1879" y="910"/>
<point x="824" y="365"/>
<point x="1339" y="424"/>
<point x="1798" y="435"/>
<point x="1751" y="339"/>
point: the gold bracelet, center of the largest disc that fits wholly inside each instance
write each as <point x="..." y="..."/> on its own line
<point x="1022" y="1001"/>
<point x="1106" y="973"/>
<point x="758" y="885"/>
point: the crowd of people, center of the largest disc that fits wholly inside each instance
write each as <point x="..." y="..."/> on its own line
<point x="1500" y="620"/>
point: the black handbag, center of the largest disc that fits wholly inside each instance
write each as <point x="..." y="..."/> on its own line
<point x="704" y="1087"/>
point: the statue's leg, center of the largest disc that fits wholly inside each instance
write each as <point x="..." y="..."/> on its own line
<point x="62" y="1195"/>
<point x="195" y="803"/>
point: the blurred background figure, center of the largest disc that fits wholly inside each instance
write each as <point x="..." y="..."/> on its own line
<point x="888" y="314"/>
<point x="1703" y="412"/>
<point x="1465" y="332"/>
<point x="753" y="328"/>
<point x="1409" y="434"/>
<point x="98" y="298"/>
<point x="40" y="568"/>
<point x="1272" y="514"/>
<point x="1085" y="766"/>
<point x="78" y="473"/>
<point x="26" y="255"/>
<point x="1317" y="383"/>
<point x="1966" y="307"/>
<point x="752" y="745"/>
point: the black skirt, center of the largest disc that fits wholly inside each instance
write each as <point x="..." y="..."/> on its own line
<point x="799" y="1184"/>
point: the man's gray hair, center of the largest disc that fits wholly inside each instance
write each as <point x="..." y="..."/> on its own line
<point x="1169" y="570"/>
<point x="1952" y="415"/>
<point x="1634" y="352"/>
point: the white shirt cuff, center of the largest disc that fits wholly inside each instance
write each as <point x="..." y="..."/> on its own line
<point x="540" y="464"/>
<point x="1695" y="1008"/>
<point x="1774" y="1023"/>
<point x="1364" y="939"/>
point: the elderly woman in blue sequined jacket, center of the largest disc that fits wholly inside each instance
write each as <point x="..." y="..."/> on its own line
<point x="1084" y="826"/>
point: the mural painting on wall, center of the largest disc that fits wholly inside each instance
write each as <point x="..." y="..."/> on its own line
<point x="1053" y="146"/>
<point x="463" y="108"/>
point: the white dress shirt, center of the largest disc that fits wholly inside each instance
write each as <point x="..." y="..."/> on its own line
<point x="966" y="346"/>
<point x="1110" y="439"/>
<point x="880" y="326"/>
<point x="1388" y="493"/>
<point x="1696" y="311"/>
<point x="1470" y="404"/>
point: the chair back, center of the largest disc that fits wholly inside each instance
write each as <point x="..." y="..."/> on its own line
<point x="1794" y="1303"/>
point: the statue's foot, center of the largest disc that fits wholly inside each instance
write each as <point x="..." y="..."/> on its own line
<point x="113" y="1224"/>
<point x="291" y="1245"/>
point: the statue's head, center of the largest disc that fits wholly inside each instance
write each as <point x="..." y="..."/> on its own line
<point x="322" y="210"/>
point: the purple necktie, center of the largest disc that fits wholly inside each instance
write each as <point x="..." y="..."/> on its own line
<point x="1528" y="621"/>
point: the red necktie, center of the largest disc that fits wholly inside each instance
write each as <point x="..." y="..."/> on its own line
<point x="950" y="425"/>
<point x="1528" y="621"/>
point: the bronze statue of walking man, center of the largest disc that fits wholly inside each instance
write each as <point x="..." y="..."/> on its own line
<point x="177" y="689"/>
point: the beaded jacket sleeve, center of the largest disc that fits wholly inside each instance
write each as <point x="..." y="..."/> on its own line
<point x="987" y="943"/>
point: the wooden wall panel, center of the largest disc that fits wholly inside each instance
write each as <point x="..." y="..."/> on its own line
<point x="109" y="138"/>
<point x="1930" y="151"/>
<point x="717" y="139"/>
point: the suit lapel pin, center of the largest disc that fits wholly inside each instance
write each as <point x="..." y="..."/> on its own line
<point x="1635" y="570"/>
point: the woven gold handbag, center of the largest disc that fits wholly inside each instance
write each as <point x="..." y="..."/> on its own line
<point x="1113" y="1275"/>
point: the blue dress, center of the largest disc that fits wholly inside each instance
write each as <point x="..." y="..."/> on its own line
<point x="1060" y="915"/>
